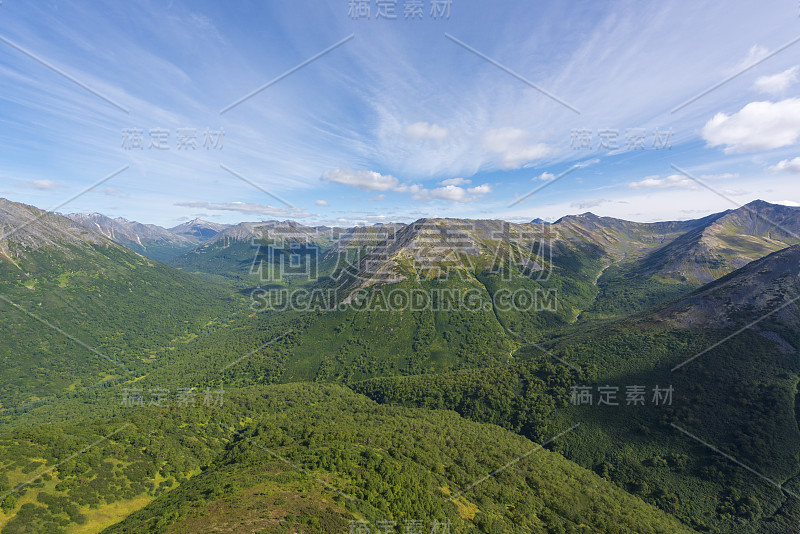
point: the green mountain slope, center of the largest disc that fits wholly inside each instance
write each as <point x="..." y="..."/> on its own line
<point x="83" y="310"/>
<point x="733" y="393"/>
<point x="719" y="245"/>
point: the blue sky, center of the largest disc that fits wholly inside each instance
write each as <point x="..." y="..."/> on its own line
<point x="405" y="119"/>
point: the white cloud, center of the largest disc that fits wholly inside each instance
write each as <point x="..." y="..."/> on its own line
<point x="413" y="189"/>
<point x="44" y="185"/>
<point x="513" y="148"/>
<point x="757" y="126"/>
<point x="791" y="203"/>
<point x="423" y="130"/>
<point x="321" y="202"/>
<point x="671" y="181"/>
<point x="450" y="192"/>
<point x="366" y="180"/>
<point x="453" y="193"/>
<point x="787" y="165"/>
<point x="246" y="208"/>
<point x="777" y="83"/>
<point x="362" y="179"/>
<point x="480" y="189"/>
<point x="545" y="177"/>
<point x="455" y="181"/>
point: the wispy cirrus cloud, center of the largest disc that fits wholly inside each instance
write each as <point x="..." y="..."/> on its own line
<point x="512" y="147"/>
<point x="420" y="121"/>
<point x="44" y="185"/>
<point x="247" y="208"/>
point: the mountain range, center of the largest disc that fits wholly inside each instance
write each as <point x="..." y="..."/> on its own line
<point x="363" y="409"/>
<point x="694" y="251"/>
<point x="149" y="239"/>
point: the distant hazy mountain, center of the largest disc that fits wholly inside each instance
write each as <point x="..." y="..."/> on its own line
<point x="234" y="250"/>
<point x="247" y="231"/>
<point x="199" y="229"/>
<point x="147" y="239"/>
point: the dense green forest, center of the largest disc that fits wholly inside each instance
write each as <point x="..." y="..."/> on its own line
<point x="310" y="458"/>
<point x="130" y="311"/>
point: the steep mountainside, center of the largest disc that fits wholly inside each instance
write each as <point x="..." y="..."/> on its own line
<point x="724" y="244"/>
<point x="147" y="239"/>
<point x="729" y="350"/>
<point x="721" y="453"/>
<point x="620" y="238"/>
<point x="82" y="309"/>
<point x="714" y="247"/>
<point x="642" y="264"/>
<point x="767" y="284"/>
